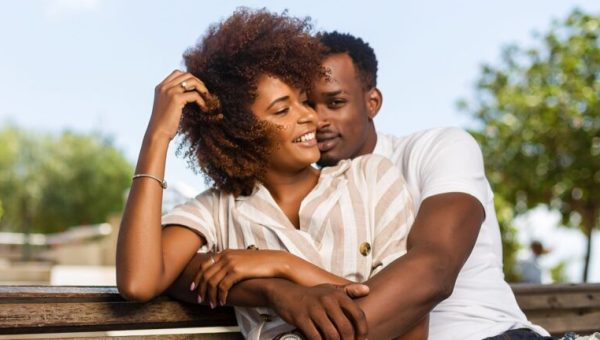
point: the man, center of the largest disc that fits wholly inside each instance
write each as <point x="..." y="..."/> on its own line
<point x="453" y="266"/>
<point x="452" y="270"/>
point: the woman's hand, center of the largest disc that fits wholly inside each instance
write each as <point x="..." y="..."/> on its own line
<point x="231" y="266"/>
<point x="170" y="96"/>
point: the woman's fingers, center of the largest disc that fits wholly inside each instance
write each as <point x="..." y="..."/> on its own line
<point x="194" y="97"/>
<point x="207" y="273"/>
<point x="194" y="84"/>
<point x="171" y="76"/>
<point x="213" y="284"/>
<point x="204" y="265"/>
<point x="187" y="82"/>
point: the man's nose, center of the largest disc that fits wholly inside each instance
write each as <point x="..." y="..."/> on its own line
<point x="322" y="119"/>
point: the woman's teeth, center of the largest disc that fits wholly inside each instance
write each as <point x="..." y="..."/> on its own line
<point x="305" y="137"/>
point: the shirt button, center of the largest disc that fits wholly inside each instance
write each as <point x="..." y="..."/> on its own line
<point x="364" y="248"/>
<point x="266" y="317"/>
<point x="252" y="247"/>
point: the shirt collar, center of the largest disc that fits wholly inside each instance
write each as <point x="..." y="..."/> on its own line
<point x="383" y="147"/>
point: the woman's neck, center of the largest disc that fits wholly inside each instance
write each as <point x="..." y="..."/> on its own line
<point x="289" y="189"/>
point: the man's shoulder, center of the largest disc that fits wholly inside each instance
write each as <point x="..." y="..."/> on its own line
<point x="427" y="136"/>
<point x="424" y="141"/>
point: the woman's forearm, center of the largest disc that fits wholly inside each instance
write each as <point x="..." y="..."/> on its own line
<point x="139" y="247"/>
<point x="307" y="274"/>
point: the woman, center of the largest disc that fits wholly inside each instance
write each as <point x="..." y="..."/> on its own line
<point x="253" y="136"/>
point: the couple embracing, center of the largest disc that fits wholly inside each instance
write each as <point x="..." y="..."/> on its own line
<point x="387" y="237"/>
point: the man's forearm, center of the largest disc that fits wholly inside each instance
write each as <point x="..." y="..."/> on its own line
<point x="439" y="243"/>
<point x="402" y="295"/>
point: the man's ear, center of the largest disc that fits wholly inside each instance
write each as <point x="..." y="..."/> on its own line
<point x="374" y="102"/>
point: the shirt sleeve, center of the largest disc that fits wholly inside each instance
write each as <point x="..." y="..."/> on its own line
<point x="451" y="161"/>
<point x="197" y="215"/>
<point x="392" y="210"/>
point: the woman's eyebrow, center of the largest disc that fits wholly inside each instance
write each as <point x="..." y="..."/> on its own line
<point x="280" y="99"/>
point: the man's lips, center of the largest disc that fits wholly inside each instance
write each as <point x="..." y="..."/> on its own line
<point x="327" y="143"/>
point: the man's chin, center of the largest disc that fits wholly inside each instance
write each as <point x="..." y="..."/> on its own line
<point x="327" y="161"/>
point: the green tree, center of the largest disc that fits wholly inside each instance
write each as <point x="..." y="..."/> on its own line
<point x="49" y="183"/>
<point x="540" y="123"/>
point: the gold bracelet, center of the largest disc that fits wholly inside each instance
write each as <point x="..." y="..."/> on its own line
<point x="162" y="182"/>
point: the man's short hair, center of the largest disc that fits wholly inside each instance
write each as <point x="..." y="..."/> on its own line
<point x="360" y="52"/>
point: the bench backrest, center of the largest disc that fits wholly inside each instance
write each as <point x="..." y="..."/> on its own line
<point x="561" y="308"/>
<point x="45" y="309"/>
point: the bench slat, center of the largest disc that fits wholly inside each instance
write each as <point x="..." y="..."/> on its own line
<point x="60" y="309"/>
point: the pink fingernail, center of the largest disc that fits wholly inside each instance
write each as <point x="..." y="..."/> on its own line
<point x="212" y="305"/>
<point x="193" y="286"/>
<point x="199" y="299"/>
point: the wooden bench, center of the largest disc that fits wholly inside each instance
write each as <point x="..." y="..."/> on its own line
<point x="561" y="308"/>
<point x="67" y="309"/>
<point x="44" y="310"/>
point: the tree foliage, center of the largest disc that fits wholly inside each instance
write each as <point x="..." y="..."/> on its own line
<point x="539" y="118"/>
<point x="49" y="183"/>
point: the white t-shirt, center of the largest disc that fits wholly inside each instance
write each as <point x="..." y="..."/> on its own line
<point x="445" y="160"/>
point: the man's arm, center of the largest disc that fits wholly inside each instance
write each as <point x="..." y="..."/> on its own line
<point x="439" y="243"/>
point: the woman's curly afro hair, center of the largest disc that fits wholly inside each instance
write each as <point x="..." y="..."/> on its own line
<point x="227" y="142"/>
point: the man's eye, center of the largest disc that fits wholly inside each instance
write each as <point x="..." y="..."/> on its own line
<point x="337" y="102"/>
<point x="308" y="103"/>
<point x="282" y="111"/>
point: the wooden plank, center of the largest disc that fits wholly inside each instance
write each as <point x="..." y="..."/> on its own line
<point x="565" y="300"/>
<point x="561" y="308"/>
<point x="581" y="323"/>
<point x="8" y="293"/>
<point x="219" y="336"/>
<point x="67" y="309"/>
<point x="526" y="289"/>
<point x="45" y="309"/>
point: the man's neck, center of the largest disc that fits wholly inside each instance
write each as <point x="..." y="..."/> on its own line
<point x="370" y="142"/>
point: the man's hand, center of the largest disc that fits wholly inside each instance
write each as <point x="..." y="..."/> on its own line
<point x="321" y="312"/>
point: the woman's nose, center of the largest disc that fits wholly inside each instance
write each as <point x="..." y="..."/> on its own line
<point x="307" y="114"/>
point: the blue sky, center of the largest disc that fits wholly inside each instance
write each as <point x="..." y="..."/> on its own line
<point x="91" y="65"/>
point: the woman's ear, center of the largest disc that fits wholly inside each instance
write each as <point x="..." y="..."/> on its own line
<point x="374" y="102"/>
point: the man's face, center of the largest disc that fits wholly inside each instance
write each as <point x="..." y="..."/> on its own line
<point x="345" y="111"/>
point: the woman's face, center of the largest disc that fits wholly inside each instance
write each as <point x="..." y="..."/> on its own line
<point x="287" y="107"/>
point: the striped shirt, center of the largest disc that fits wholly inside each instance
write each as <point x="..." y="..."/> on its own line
<point x="353" y="223"/>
